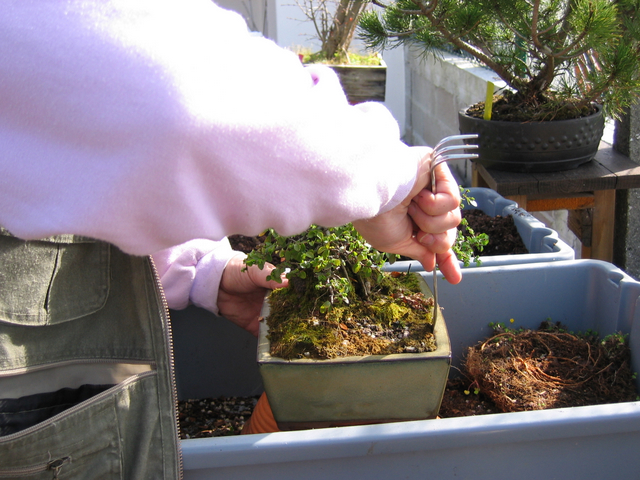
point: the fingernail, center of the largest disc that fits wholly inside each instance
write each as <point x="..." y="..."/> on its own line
<point x="427" y="239"/>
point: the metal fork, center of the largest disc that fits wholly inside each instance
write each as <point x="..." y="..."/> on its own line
<point x="441" y="153"/>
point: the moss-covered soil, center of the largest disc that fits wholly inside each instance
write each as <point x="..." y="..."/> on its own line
<point x="396" y="318"/>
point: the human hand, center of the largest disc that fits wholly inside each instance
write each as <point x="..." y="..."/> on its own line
<point x="242" y="293"/>
<point x="423" y="226"/>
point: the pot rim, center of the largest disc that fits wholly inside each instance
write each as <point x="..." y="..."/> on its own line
<point x="597" y="106"/>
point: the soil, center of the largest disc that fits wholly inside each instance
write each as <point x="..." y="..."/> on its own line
<point x="214" y="417"/>
<point x="243" y="243"/>
<point x="226" y="416"/>
<point x="509" y="107"/>
<point x="460" y="399"/>
<point x="504" y="238"/>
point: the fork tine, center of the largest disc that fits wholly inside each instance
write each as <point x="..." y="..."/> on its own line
<point x="453" y="156"/>
<point x="453" y="138"/>
<point x="453" y="148"/>
<point x="448" y="152"/>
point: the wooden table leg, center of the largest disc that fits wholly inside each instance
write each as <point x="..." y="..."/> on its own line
<point x="603" y="225"/>
<point x="476" y="178"/>
<point x="521" y="200"/>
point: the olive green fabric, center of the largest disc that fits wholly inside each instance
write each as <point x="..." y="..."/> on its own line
<point x="75" y="312"/>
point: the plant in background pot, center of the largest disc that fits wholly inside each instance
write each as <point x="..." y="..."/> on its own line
<point x="335" y="23"/>
<point x="347" y="343"/>
<point x="362" y="76"/>
<point x="563" y="61"/>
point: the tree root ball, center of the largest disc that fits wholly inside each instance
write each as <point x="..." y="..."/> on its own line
<point x="551" y="368"/>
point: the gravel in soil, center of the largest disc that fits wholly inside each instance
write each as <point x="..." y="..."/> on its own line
<point x="214" y="417"/>
<point x="461" y="399"/>
<point x="225" y="416"/>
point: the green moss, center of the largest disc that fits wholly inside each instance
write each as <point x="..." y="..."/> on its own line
<point x="397" y="318"/>
<point x="351" y="58"/>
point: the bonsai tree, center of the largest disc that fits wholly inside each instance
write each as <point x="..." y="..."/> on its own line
<point x="556" y="56"/>
<point x="339" y="296"/>
<point x="333" y="264"/>
<point x="337" y="286"/>
<point x="337" y="265"/>
<point x="335" y="23"/>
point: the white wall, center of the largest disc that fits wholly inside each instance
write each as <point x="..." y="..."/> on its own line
<point x="260" y="15"/>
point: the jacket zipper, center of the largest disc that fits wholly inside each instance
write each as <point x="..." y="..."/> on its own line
<point x="171" y="363"/>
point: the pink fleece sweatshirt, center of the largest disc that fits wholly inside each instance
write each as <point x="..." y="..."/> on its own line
<point x="190" y="272"/>
<point x="148" y="123"/>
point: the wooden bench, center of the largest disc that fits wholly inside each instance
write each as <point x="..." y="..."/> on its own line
<point x="588" y="192"/>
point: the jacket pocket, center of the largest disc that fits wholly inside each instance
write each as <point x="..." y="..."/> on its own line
<point x="112" y="435"/>
<point x="66" y="278"/>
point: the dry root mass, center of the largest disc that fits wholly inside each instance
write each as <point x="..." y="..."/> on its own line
<point x="551" y="368"/>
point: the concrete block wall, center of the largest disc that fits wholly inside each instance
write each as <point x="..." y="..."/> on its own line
<point x="435" y="90"/>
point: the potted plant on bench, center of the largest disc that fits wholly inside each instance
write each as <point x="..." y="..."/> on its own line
<point x="563" y="62"/>
<point x="362" y="76"/>
<point x="347" y="343"/>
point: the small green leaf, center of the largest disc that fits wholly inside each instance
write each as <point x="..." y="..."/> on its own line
<point x="324" y="308"/>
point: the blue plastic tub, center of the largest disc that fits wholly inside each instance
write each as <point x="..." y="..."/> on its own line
<point x="595" y="442"/>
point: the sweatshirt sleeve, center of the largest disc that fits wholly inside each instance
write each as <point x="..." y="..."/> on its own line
<point x="190" y="273"/>
<point x="150" y="123"/>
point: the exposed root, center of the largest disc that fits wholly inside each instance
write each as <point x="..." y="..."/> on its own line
<point x="533" y="370"/>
